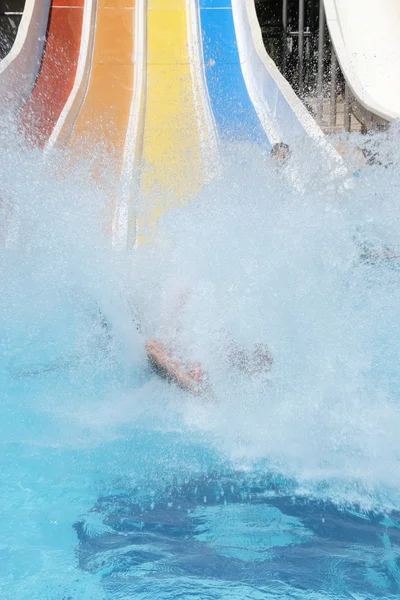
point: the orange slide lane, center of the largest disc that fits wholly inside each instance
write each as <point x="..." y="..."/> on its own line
<point x="58" y="70"/>
<point x="101" y="127"/>
<point x="99" y="134"/>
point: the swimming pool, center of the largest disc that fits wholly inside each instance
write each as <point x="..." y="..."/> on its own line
<point x="116" y="485"/>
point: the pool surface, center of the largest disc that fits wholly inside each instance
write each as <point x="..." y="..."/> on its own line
<point x="115" y="484"/>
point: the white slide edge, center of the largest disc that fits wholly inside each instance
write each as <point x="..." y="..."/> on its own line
<point x="80" y="84"/>
<point x="347" y="67"/>
<point x="294" y="118"/>
<point x="124" y="226"/>
<point x="273" y="95"/>
<point x="19" y="69"/>
<point x="263" y="111"/>
<point x="209" y="139"/>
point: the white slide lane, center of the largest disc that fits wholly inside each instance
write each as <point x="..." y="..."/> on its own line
<point x="366" y="38"/>
<point x="282" y="114"/>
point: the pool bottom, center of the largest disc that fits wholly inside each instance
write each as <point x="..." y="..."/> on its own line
<point x="237" y="535"/>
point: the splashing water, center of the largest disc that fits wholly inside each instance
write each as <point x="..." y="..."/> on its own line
<point x="91" y="438"/>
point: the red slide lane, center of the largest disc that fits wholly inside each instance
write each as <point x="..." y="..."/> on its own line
<point x="57" y="73"/>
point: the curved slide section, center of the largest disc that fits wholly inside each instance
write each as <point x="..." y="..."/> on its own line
<point x="57" y="73"/>
<point x="19" y="69"/>
<point x="177" y="134"/>
<point x="233" y="109"/>
<point x="251" y="99"/>
<point x="102" y="121"/>
<point x="365" y="35"/>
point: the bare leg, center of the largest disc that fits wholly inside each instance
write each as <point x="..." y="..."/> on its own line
<point x="188" y="378"/>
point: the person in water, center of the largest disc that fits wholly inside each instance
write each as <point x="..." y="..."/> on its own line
<point x="280" y="151"/>
<point x="188" y="376"/>
<point x="374" y="252"/>
<point x="191" y="376"/>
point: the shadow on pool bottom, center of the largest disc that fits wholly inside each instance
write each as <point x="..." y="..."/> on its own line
<point x="232" y="536"/>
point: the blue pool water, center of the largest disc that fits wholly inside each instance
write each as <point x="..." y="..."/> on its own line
<point x="115" y="484"/>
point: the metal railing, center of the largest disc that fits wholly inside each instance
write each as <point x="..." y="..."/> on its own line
<point x="304" y="53"/>
<point x="11" y="12"/>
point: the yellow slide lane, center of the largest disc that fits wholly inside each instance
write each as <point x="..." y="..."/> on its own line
<point x="102" y="123"/>
<point x="173" y="169"/>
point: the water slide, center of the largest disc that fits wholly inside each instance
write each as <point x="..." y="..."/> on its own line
<point x="57" y="73"/>
<point x="178" y="136"/>
<point x="365" y="35"/>
<point x="19" y="69"/>
<point x="162" y="85"/>
<point x="101" y="122"/>
<point x="209" y="82"/>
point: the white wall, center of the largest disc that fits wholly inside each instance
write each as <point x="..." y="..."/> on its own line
<point x="19" y="69"/>
<point x="366" y="37"/>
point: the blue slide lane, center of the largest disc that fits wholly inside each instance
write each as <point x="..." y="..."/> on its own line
<point x="233" y="110"/>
